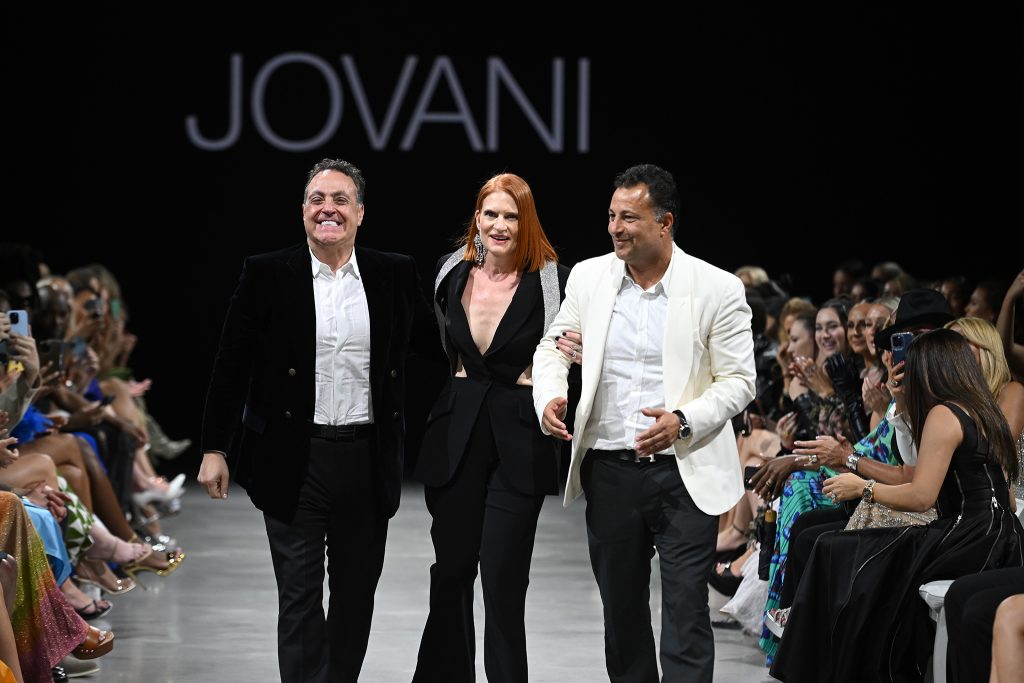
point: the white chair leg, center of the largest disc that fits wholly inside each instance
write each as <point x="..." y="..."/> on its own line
<point x="939" y="654"/>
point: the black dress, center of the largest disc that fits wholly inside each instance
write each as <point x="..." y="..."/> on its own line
<point x="857" y="615"/>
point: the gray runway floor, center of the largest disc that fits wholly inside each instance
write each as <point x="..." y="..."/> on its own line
<point x="214" y="619"/>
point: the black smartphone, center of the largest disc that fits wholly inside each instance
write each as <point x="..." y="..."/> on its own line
<point x="51" y="351"/>
<point x="900" y="342"/>
<point x="94" y="307"/>
<point x="748" y="473"/>
<point x="78" y="348"/>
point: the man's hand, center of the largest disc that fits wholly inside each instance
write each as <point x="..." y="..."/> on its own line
<point x="213" y="474"/>
<point x="659" y="436"/>
<point x="554" y="414"/>
<point x="831" y="452"/>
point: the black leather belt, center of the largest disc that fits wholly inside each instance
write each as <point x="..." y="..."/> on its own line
<point x="340" y="432"/>
<point x="629" y="455"/>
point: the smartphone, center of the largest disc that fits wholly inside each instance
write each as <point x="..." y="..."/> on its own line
<point x="19" y="322"/>
<point x="748" y="472"/>
<point x="51" y="351"/>
<point x="78" y="348"/>
<point x="94" y="307"/>
<point x="900" y="342"/>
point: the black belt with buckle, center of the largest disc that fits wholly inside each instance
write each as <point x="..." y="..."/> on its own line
<point x="340" y="432"/>
<point x="629" y="455"/>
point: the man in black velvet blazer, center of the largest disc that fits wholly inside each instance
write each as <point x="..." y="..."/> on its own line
<point x="307" y="394"/>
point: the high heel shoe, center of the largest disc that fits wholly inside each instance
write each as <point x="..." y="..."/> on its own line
<point x="96" y="644"/>
<point x="113" y="549"/>
<point x="153" y="495"/>
<point x="98" y="574"/>
<point x="174" y="559"/>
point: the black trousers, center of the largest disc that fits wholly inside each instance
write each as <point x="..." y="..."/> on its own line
<point x="633" y="509"/>
<point x="338" y="511"/>
<point x="802" y="536"/>
<point x="970" y="607"/>
<point x="478" y="520"/>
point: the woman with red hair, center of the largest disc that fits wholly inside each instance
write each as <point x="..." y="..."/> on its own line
<point x="485" y="462"/>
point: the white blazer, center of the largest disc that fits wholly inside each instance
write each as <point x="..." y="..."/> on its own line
<point x="708" y="367"/>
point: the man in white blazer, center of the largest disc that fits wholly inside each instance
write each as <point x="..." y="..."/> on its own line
<point x="669" y="361"/>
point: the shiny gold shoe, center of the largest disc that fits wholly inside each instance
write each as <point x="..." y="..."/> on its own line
<point x="174" y="559"/>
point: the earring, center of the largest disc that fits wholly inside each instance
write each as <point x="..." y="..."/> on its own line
<point x="480" y="250"/>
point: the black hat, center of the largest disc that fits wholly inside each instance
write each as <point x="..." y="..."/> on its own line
<point x="918" y="307"/>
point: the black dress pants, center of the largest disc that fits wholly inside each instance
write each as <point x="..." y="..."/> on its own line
<point x="802" y="537"/>
<point x="338" y="511"/>
<point x="633" y="509"/>
<point x="970" y="607"/>
<point x="477" y="519"/>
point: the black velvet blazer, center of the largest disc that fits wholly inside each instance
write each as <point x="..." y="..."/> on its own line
<point x="260" y="400"/>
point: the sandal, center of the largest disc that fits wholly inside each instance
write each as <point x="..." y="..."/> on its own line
<point x="174" y="559"/>
<point x="96" y="644"/>
<point x="725" y="582"/>
<point x="98" y="574"/>
<point x="94" y="610"/>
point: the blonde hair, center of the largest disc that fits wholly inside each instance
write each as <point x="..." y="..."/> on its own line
<point x="756" y="274"/>
<point x="983" y="334"/>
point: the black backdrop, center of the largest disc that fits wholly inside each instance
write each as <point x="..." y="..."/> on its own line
<point x="790" y="130"/>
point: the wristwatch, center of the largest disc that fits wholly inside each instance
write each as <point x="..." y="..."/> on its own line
<point x="869" y="491"/>
<point x="851" y="462"/>
<point x="684" y="426"/>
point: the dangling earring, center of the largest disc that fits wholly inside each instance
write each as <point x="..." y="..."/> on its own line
<point x="480" y="250"/>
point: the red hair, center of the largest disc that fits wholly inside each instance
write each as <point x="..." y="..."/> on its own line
<point x="533" y="249"/>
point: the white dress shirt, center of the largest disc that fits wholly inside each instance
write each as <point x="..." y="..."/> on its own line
<point x="342" y="345"/>
<point x="904" y="437"/>
<point x="631" y="377"/>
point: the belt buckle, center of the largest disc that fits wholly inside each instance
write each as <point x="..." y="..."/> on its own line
<point x="637" y="458"/>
